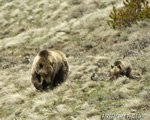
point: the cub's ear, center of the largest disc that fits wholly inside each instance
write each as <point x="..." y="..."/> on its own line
<point x="52" y="64"/>
<point x="119" y="66"/>
<point x="112" y="66"/>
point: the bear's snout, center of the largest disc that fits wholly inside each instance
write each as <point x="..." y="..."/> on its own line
<point x="41" y="85"/>
<point x="38" y="86"/>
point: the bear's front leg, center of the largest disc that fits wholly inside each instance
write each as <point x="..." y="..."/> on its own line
<point x="36" y="80"/>
<point x="65" y="70"/>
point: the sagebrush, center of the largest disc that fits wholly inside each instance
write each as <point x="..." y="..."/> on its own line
<point x="130" y="13"/>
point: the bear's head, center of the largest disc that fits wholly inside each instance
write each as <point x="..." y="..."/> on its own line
<point x="115" y="71"/>
<point x="44" y="67"/>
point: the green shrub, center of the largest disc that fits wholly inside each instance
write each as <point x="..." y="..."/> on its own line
<point x="130" y="13"/>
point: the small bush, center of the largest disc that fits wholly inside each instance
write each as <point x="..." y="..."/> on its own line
<point x="139" y="44"/>
<point x="75" y="2"/>
<point x="78" y="11"/>
<point x="133" y="11"/>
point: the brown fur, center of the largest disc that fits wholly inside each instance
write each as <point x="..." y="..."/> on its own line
<point x="120" y="68"/>
<point x="50" y="68"/>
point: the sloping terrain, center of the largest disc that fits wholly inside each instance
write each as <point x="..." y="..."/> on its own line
<point x="79" y="29"/>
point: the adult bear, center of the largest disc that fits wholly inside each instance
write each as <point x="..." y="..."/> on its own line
<point x="49" y="69"/>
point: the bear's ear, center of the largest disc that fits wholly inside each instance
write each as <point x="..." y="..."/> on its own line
<point x="43" y="53"/>
<point x="112" y="66"/>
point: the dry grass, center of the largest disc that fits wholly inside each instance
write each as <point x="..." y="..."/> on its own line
<point x="79" y="29"/>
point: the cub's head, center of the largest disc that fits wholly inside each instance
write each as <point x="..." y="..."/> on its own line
<point x="115" y="72"/>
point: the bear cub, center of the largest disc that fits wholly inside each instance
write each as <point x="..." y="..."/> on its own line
<point x="120" y="68"/>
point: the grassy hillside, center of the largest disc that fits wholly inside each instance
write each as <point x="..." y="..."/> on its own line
<point x="79" y="29"/>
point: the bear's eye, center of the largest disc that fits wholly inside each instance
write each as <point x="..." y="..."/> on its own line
<point x="40" y="65"/>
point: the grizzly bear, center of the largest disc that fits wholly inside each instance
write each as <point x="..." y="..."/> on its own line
<point x="49" y="69"/>
<point x="120" y="68"/>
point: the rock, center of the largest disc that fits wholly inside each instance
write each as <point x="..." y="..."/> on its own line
<point x="99" y="76"/>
